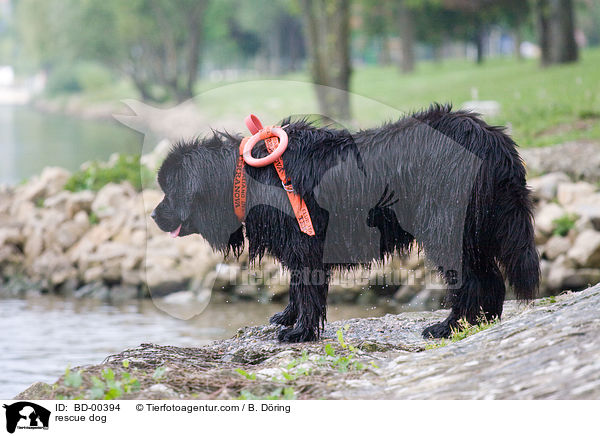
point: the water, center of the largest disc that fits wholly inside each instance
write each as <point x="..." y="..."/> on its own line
<point x="41" y="335"/>
<point x="31" y="140"/>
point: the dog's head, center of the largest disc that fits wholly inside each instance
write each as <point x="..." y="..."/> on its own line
<point x="178" y="179"/>
<point x="197" y="180"/>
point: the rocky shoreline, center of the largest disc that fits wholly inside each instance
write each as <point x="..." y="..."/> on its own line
<point x="545" y="350"/>
<point x="102" y="245"/>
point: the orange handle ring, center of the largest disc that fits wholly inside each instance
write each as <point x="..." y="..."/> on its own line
<point x="264" y="134"/>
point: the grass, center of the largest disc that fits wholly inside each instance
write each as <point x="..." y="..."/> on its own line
<point x="546" y="301"/>
<point x="106" y="387"/>
<point x="541" y="106"/>
<point x="342" y="360"/>
<point x="463" y="331"/>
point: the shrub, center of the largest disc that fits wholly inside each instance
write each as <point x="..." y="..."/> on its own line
<point x="70" y="79"/>
<point x="563" y="224"/>
<point x="97" y="175"/>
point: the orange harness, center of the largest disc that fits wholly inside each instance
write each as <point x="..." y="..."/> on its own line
<point x="276" y="142"/>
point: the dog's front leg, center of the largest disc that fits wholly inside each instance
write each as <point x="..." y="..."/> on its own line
<point x="288" y="316"/>
<point x="308" y="301"/>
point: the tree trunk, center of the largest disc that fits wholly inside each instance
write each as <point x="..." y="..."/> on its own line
<point x="479" y="43"/>
<point x="543" y="28"/>
<point x="407" y="33"/>
<point x="328" y="34"/>
<point x="556" y="29"/>
<point x="518" y="40"/>
<point x="564" y="47"/>
<point x="195" y="27"/>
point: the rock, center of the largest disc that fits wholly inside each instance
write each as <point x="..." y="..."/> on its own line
<point x="582" y="224"/>
<point x="92" y="274"/>
<point x="50" y="182"/>
<point x="181" y="297"/>
<point x="588" y="209"/>
<point x="556" y="246"/>
<point x="22" y="210"/>
<point x="406" y="293"/>
<point x="487" y="108"/>
<point x="54" y="266"/>
<point x="79" y="201"/>
<point x="95" y="290"/>
<point x="122" y="293"/>
<point x="545" y="187"/>
<point x="10" y="235"/>
<point x="579" y="159"/>
<point x="36" y="391"/>
<point x="111" y="198"/>
<point x="561" y="268"/>
<point x="34" y="245"/>
<point x="161" y="281"/>
<point x="545" y="216"/>
<point x="581" y="279"/>
<point x="570" y="193"/>
<point x="71" y="231"/>
<point x="163" y="392"/>
<point x="586" y="249"/>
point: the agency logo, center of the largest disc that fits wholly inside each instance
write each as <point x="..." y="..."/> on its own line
<point x="26" y="415"/>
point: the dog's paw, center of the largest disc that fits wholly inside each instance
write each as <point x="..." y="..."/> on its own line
<point x="440" y="330"/>
<point x="283" y="318"/>
<point x="298" y="334"/>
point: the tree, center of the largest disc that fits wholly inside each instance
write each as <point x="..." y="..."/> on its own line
<point x="157" y="43"/>
<point x="407" y="34"/>
<point x="327" y="35"/>
<point x="556" y="31"/>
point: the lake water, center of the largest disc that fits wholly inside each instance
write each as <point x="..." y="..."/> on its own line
<point x="31" y="140"/>
<point x="43" y="334"/>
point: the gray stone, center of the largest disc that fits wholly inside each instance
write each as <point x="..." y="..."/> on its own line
<point x="579" y="159"/>
<point x="556" y="246"/>
<point x="111" y="198"/>
<point x="571" y="193"/>
<point x="544" y="187"/>
<point x="561" y="268"/>
<point x="50" y="182"/>
<point x="546" y="215"/>
<point x="586" y="249"/>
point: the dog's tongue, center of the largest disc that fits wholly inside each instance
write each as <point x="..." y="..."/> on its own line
<point x="175" y="232"/>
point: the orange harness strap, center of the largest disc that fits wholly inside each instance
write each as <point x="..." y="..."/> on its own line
<point x="239" y="181"/>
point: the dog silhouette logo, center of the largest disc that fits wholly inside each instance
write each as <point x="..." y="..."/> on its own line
<point x="26" y="415"/>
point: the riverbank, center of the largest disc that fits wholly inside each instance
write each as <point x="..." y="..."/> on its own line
<point x="545" y="350"/>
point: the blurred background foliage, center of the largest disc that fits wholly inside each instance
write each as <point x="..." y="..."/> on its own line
<point x="406" y="53"/>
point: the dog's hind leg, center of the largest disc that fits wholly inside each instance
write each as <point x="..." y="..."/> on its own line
<point x="308" y="293"/>
<point x="481" y="295"/>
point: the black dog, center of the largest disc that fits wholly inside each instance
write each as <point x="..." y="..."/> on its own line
<point x="445" y="179"/>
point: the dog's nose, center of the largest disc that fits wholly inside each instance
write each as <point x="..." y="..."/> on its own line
<point x="153" y="214"/>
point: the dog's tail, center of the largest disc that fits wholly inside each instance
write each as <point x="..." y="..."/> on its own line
<point x="510" y="213"/>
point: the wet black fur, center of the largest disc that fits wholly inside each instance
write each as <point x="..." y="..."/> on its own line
<point x="197" y="178"/>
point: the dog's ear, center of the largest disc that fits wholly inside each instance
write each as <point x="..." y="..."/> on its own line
<point x="184" y="193"/>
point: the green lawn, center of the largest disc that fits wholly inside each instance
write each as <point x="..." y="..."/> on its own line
<point x="542" y="106"/>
